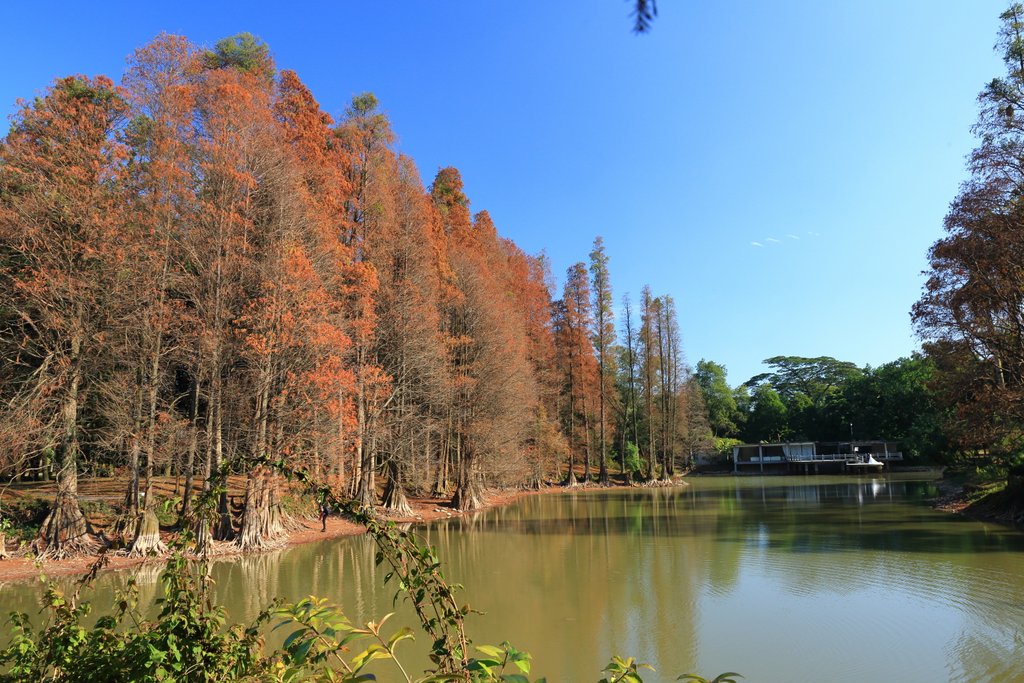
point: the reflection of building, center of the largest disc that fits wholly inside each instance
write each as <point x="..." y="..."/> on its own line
<point x="812" y="456"/>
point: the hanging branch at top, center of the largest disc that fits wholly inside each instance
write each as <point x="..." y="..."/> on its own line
<point x="644" y="13"/>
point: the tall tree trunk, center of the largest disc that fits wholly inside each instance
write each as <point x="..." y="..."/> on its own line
<point x="147" y="528"/>
<point x="570" y="478"/>
<point x="602" y="477"/>
<point x="338" y="464"/>
<point x="468" y="496"/>
<point x="365" y="456"/>
<point x="586" y="439"/>
<point x="127" y="520"/>
<point x="147" y="525"/>
<point x="204" y="530"/>
<point x="262" y="524"/>
<point x="65" y="531"/>
<point x="394" y="492"/>
<point x="444" y="457"/>
<point x="223" y="531"/>
<point x="193" y="447"/>
<point x="651" y="449"/>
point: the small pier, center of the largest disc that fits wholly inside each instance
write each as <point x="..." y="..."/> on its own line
<point x="812" y="457"/>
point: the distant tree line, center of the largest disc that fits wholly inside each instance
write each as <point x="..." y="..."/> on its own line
<point x="824" y="399"/>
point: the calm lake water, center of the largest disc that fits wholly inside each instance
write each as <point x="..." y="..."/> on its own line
<point x="783" y="579"/>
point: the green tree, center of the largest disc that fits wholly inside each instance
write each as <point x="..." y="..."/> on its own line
<point x="768" y="420"/>
<point x="603" y="337"/>
<point x="242" y="51"/>
<point x="719" y="400"/>
<point x="809" y="388"/>
<point x="815" y="378"/>
<point x="895" y="401"/>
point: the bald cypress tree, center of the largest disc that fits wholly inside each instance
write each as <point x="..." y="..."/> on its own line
<point x="61" y="215"/>
<point x="604" y="337"/>
<point x="971" y="307"/>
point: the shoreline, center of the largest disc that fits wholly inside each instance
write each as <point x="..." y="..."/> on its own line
<point x="954" y="498"/>
<point x="962" y="498"/>
<point x="21" y="568"/>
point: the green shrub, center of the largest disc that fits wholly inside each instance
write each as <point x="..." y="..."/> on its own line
<point x="24" y="517"/>
<point x="631" y="460"/>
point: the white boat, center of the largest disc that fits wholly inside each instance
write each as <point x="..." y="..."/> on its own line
<point x="868" y="464"/>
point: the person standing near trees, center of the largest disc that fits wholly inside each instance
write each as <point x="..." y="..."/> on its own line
<point x="325" y="510"/>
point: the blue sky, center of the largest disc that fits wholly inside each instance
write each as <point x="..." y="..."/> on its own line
<point x="780" y="168"/>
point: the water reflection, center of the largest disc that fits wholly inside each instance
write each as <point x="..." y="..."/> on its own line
<point x="809" y="578"/>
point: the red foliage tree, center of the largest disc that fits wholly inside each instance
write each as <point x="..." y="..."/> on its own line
<point x="62" y="210"/>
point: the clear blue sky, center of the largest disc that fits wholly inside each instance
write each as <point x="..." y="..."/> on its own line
<point x="779" y="167"/>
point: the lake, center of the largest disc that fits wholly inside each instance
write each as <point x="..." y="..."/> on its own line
<point x="779" y="578"/>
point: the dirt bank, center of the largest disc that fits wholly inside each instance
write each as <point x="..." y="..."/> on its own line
<point x="989" y="502"/>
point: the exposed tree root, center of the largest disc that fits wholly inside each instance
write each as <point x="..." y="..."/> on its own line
<point x="661" y="483"/>
<point x="395" y="501"/>
<point x="468" y="497"/>
<point x="261" y="520"/>
<point x="147" y="536"/>
<point x="65" y="531"/>
<point x="204" y="537"/>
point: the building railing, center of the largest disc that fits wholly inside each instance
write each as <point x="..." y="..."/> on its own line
<point x="822" y="457"/>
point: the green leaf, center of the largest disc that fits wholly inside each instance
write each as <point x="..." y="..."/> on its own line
<point x="371" y="653"/>
<point x="293" y="637"/>
<point x="492" y="651"/>
<point x="299" y="653"/>
<point x="405" y="633"/>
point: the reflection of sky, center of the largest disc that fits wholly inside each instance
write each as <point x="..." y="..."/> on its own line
<point x="860" y="634"/>
<point x="782" y="579"/>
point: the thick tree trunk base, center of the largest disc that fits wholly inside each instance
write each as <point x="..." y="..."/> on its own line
<point x="570" y="480"/>
<point x="204" y="537"/>
<point x="223" y="530"/>
<point x="395" y="501"/>
<point x="603" y="479"/>
<point x="366" y="498"/>
<point x="3" y="546"/>
<point x="65" y="531"/>
<point x="123" y="527"/>
<point x="262" y="526"/>
<point x="468" y="498"/>
<point x="147" y="536"/>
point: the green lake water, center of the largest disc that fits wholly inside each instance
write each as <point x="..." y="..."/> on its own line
<point x="783" y="579"/>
